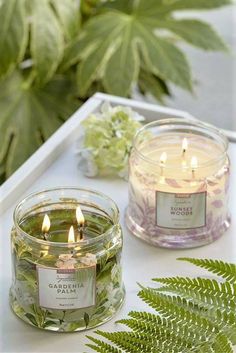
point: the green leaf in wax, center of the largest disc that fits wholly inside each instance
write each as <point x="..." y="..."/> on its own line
<point x="114" y="43"/>
<point x="31" y="318"/>
<point x="46" y="41"/>
<point x="68" y="14"/>
<point x="86" y="319"/>
<point x="14" y="34"/>
<point x="105" y="268"/>
<point x="24" y="274"/>
<point x="49" y="323"/>
<point x="30" y="115"/>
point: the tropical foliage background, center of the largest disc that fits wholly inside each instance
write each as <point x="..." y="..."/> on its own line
<point x="56" y="53"/>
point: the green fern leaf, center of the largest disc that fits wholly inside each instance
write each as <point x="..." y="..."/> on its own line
<point x="182" y="331"/>
<point x="101" y="346"/>
<point x="223" y="269"/>
<point x="166" y="337"/>
<point x="222" y="344"/>
<point x="195" y="318"/>
<point x="209" y="293"/>
<point x="131" y="342"/>
<point x="176" y="309"/>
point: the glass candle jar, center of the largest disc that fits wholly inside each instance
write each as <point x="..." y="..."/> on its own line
<point x="178" y="184"/>
<point x="66" y="259"/>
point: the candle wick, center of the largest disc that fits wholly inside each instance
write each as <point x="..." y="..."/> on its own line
<point x="45" y="236"/>
<point x="162" y="169"/>
<point x="81" y="232"/>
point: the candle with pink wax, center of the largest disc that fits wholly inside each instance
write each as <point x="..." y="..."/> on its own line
<point x="178" y="184"/>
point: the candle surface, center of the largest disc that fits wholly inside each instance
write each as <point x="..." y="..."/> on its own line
<point x="61" y="220"/>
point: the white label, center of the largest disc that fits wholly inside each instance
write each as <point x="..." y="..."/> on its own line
<point x="180" y="211"/>
<point x="66" y="289"/>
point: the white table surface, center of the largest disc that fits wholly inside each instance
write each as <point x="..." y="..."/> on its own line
<point x="141" y="262"/>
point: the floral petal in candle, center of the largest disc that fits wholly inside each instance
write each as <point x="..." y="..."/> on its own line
<point x="217" y="203"/>
<point x="66" y="261"/>
<point x="172" y="182"/>
<point x="212" y="183"/>
<point x="217" y="191"/>
<point x="202" y="188"/>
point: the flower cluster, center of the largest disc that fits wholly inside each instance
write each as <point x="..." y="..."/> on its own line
<point x="106" y="142"/>
<point x="66" y="261"/>
<point x="89" y="259"/>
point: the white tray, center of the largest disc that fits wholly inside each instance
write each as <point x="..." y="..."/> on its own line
<point x="55" y="164"/>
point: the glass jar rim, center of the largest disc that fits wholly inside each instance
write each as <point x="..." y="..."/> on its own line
<point x="66" y="244"/>
<point x="209" y="130"/>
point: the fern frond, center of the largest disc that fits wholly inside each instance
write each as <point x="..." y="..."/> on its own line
<point x="131" y="342"/>
<point x="177" y="309"/>
<point x="137" y="341"/>
<point x="222" y="344"/>
<point x="221" y="268"/>
<point x="180" y="330"/>
<point x="193" y="315"/>
<point x="203" y="291"/>
<point x="101" y="347"/>
<point x="165" y="336"/>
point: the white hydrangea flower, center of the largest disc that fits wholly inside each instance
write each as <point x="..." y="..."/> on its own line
<point x="89" y="259"/>
<point x="105" y="141"/>
<point x="86" y="162"/>
<point x="66" y="261"/>
<point x="28" y="299"/>
<point x="65" y="257"/>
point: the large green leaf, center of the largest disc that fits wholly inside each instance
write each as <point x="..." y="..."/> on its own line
<point x="125" y="57"/>
<point x="195" y="32"/>
<point x="68" y="14"/>
<point x="149" y="83"/>
<point x="113" y="44"/>
<point x="100" y="52"/>
<point x="158" y="8"/>
<point x="30" y="116"/>
<point x="13" y="34"/>
<point x="46" y="41"/>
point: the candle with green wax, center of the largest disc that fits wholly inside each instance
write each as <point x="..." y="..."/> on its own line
<point x="60" y="281"/>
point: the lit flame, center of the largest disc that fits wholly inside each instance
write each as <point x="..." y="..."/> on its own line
<point x="184" y="145"/>
<point x="163" y="159"/>
<point x="71" y="235"/>
<point x="46" y="224"/>
<point x="194" y="163"/>
<point x="79" y="216"/>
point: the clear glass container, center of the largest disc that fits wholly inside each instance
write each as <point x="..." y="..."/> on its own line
<point x="59" y="283"/>
<point x="178" y="184"/>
